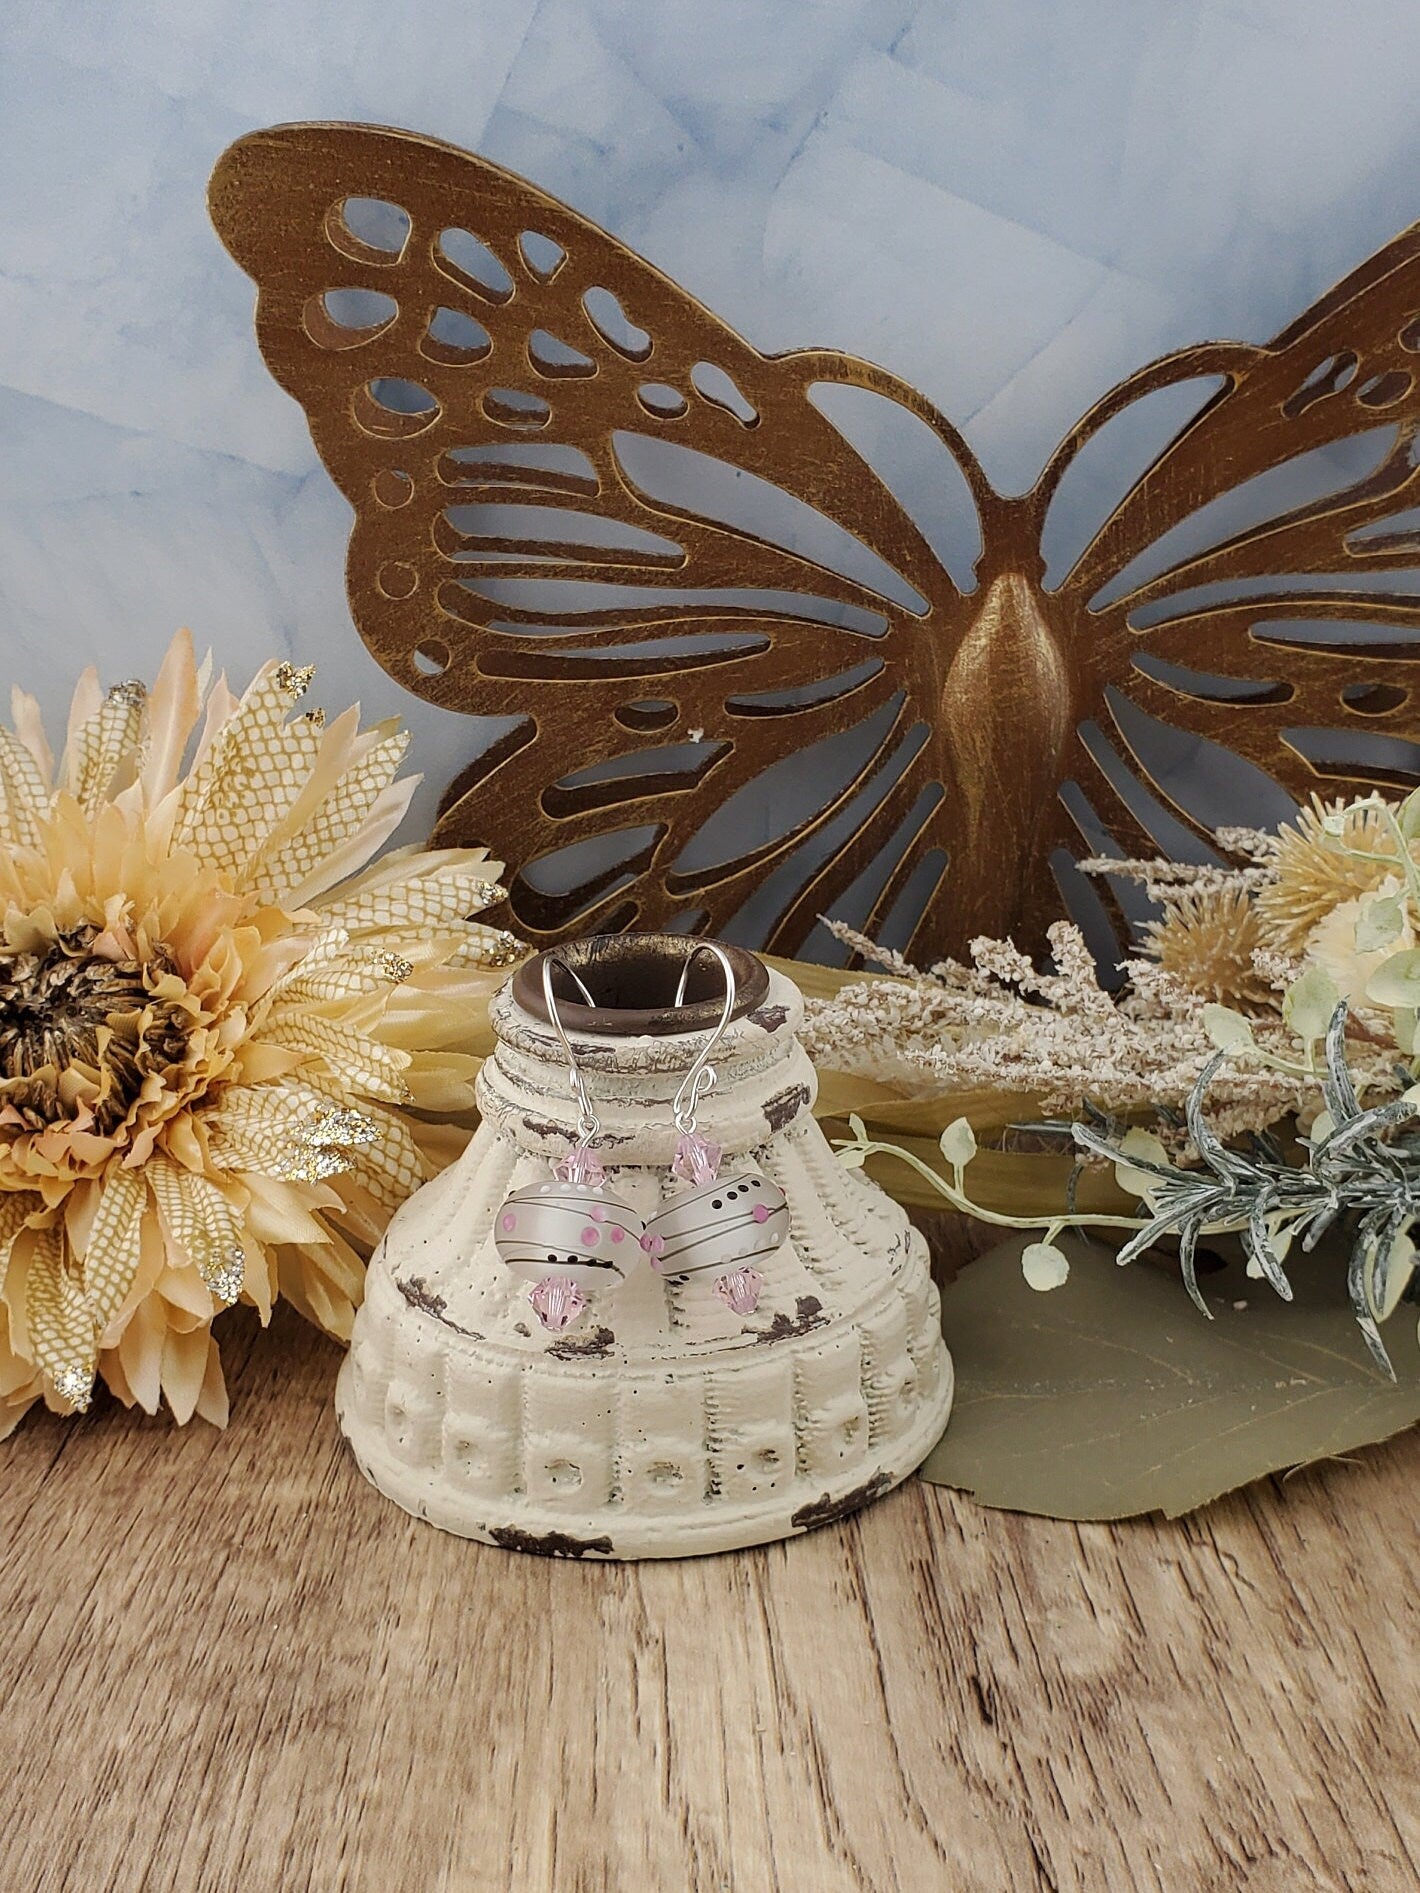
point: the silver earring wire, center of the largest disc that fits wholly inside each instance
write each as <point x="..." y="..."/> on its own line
<point x="588" y="1123"/>
<point x="700" y="1079"/>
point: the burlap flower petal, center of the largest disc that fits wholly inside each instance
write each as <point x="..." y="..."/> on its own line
<point x="58" y="1321"/>
<point x="253" y="772"/>
<point x="113" y="1246"/>
<point x="361" y="1063"/>
<point x="102" y="753"/>
<point x="391" y="1166"/>
<point x="415" y="894"/>
<point x="344" y="812"/>
<point x="198" y="1219"/>
<point x="23" y="794"/>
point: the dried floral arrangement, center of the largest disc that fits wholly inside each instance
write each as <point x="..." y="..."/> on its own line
<point x="1281" y="986"/>
<point x="227" y="1041"/>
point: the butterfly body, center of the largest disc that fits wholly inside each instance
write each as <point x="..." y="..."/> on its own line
<point x="743" y="684"/>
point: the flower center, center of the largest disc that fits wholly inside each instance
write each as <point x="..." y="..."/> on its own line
<point x="75" y="1027"/>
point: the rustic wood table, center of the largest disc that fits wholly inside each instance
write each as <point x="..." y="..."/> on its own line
<point x="228" y="1663"/>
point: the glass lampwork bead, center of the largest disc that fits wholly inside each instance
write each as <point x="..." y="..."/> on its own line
<point x="728" y="1224"/>
<point x="571" y="1230"/>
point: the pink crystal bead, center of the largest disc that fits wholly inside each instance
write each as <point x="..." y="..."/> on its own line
<point x="696" y="1159"/>
<point x="580" y="1166"/>
<point x="556" y="1301"/>
<point x="740" y="1290"/>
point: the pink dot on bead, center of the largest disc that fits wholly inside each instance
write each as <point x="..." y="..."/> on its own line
<point x="591" y="1237"/>
<point x="597" y="1213"/>
<point x="618" y="1234"/>
<point x="510" y="1221"/>
<point x="762" y="1212"/>
<point x="654" y="1245"/>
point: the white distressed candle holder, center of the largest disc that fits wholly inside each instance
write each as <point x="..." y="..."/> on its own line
<point x="662" y="1424"/>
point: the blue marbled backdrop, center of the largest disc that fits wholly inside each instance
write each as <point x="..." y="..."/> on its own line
<point x="1013" y="204"/>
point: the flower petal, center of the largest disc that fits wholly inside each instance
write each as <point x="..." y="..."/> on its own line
<point x="174" y="705"/>
<point x="24" y="794"/>
<point x="253" y="772"/>
<point x="104" y="750"/>
<point x="311" y="854"/>
<point x="200" y="1222"/>
<point x="62" y="1337"/>
<point x="113" y="1247"/>
<point x="184" y="1369"/>
<point x="16" y="1207"/>
<point x="360" y="1063"/>
<point x="415" y="892"/>
<point x="29" y="727"/>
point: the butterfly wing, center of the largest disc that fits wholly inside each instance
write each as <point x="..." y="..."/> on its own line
<point x="585" y="505"/>
<point x="1257" y="589"/>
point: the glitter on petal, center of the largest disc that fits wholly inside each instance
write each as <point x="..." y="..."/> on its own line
<point x="504" y="949"/>
<point x="226" y="1282"/>
<point x="327" y="1147"/>
<point x="391" y="965"/>
<point x="294" y="680"/>
<point x="74" y="1386"/>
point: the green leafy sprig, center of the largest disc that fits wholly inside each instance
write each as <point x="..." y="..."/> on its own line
<point x="1357" y="1167"/>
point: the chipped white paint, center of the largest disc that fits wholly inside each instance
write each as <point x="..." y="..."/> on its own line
<point x="662" y="1424"/>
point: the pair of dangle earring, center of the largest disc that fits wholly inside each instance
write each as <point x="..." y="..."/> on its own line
<point x="569" y="1235"/>
<point x="572" y="1236"/>
<point x="723" y="1224"/>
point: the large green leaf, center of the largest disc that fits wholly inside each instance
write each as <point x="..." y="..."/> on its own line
<point x="1112" y="1395"/>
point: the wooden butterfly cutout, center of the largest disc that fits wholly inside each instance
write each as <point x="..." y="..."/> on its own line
<point x="742" y="687"/>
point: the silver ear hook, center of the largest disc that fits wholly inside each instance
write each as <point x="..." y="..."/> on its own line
<point x="576" y="979"/>
<point x="588" y="1123"/>
<point x="700" y="1079"/>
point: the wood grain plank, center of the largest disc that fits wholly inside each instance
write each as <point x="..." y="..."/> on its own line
<point x="228" y="1662"/>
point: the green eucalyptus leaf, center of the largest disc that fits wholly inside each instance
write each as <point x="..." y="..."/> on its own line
<point x="1114" y="1397"/>
<point x="1044" y="1266"/>
<point x="958" y="1143"/>
<point x="1396" y="982"/>
<point x="1309" y="1004"/>
<point x="1144" y="1147"/>
<point x="1227" y="1029"/>
<point x="1381" y="922"/>
<point x="1408" y="815"/>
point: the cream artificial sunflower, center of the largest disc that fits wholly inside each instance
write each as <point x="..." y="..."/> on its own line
<point x="217" y="1022"/>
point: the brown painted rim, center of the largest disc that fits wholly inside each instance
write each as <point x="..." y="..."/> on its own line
<point x="633" y="978"/>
